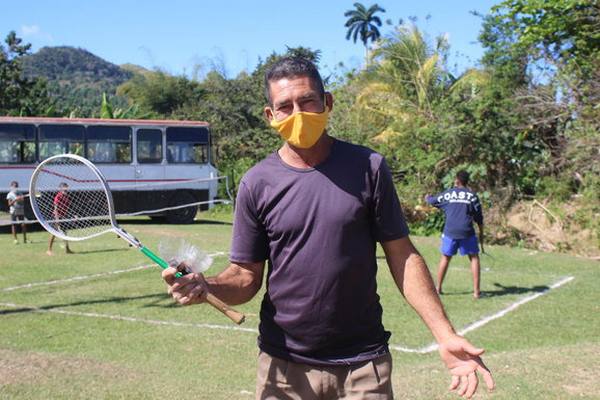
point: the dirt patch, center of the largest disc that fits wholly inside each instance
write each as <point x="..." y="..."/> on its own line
<point x="536" y="225"/>
<point x="540" y="224"/>
<point x="19" y="367"/>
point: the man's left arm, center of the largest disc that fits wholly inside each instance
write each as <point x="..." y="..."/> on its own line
<point x="414" y="281"/>
<point x="480" y="225"/>
<point x="478" y="218"/>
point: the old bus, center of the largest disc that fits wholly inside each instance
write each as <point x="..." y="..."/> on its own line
<point x="149" y="164"/>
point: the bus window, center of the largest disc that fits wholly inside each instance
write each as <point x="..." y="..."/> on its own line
<point x="187" y="145"/>
<point x="59" y="139"/>
<point x="109" y="144"/>
<point x="149" y="146"/>
<point x="17" y="143"/>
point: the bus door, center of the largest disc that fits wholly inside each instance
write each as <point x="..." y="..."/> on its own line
<point x="188" y="159"/>
<point x="150" y="169"/>
<point x="110" y="149"/>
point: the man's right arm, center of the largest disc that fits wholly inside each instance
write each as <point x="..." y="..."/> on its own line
<point x="237" y="284"/>
<point x="433" y="200"/>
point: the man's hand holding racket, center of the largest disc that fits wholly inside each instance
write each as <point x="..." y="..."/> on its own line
<point x="186" y="289"/>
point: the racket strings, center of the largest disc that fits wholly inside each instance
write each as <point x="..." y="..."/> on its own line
<point x="71" y="199"/>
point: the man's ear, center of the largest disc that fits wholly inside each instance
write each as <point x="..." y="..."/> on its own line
<point x="329" y="100"/>
<point x="268" y="113"/>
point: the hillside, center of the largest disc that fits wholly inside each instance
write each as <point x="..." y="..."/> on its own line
<point x="76" y="78"/>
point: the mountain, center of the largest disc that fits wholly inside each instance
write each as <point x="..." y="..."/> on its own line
<point x="77" y="78"/>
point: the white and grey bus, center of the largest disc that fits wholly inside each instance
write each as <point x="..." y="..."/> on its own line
<point x="149" y="164"/>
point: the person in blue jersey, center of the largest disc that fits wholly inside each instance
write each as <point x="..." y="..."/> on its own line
<point x="461" y="207"/>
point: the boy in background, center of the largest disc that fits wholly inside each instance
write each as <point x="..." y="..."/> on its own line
<point x="461" y="207"/>
<point x="16" y="204"/>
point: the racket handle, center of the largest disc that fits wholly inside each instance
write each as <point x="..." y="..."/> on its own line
<point x="162" y="263"/>
<point x="232" y="314"/>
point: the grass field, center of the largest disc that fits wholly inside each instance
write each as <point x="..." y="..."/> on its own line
<point x="98" y="324"/>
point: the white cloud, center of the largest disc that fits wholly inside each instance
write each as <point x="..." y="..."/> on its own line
<point x="30" y="30"/>
<point x="34" y="32"/>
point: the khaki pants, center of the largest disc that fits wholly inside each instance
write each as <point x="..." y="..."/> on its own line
<point x="280" y="379"/>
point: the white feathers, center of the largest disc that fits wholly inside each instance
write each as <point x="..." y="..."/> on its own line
<point x="177" y="251"/>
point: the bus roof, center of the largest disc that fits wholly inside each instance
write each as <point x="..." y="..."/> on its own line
<point x="99" y="121"/>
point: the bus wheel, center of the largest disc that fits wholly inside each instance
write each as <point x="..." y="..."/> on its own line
<point x="182" y="215"/>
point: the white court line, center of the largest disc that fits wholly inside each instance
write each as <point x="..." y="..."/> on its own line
<point x="86" y="277"/>
<point x="478" y="324"/>
<point x="129" y="319"/>
<point x="423" y="350"/>
<point x="75" y="278"/>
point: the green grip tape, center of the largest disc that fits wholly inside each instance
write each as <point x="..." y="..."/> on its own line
<point x="162" y="263"/>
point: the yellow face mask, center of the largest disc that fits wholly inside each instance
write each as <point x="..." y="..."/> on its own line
<point x="302" y="129"/>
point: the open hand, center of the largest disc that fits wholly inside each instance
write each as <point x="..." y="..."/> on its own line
<point x="464" y="362"/>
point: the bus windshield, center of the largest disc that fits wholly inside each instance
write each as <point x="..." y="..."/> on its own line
<point x="187" y="145"/>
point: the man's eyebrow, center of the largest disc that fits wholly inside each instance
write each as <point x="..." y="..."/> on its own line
<point x="282" y="103"/>
<point x="309" y="95"/>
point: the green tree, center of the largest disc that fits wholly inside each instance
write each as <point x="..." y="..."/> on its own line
<point x="108" y="111"/>
<point x="406" y="82"/>
<point x="364" y="24"/>
<point x="545" y="60"/>
<point x="159" y="94"/>
<point x="20" y="95"/>
<point x="306" y="52"/>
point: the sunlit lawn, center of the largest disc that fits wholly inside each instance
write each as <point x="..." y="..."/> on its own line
<point x="61" y="340"/>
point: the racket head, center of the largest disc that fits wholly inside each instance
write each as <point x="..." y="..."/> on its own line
<point x="71" y="199"/>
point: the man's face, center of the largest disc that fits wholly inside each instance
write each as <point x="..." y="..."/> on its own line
<point x="64" y="188"/>
<point x="292" y="95"/>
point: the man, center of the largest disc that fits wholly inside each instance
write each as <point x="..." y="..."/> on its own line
<point x="461" y="207"/>
<point x="61" y="204"/>
<point x="315" y="210"/>
<point x="16" y="209"/>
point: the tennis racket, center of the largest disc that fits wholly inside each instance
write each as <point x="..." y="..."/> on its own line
<point x="72" y="200"/>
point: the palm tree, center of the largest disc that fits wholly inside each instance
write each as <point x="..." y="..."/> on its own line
<point x="407" y="78"/>
<point x="364" y="23"/>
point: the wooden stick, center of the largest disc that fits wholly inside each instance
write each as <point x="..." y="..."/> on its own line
<point x="232" y="314"/>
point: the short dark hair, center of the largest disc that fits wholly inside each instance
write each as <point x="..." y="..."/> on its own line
<point x="463" y="177"/>
<point x="292" y="67"/>
<point x="14" y="183"/>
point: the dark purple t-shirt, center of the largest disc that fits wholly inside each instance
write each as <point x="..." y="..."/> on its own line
<point x="318" y="229"/>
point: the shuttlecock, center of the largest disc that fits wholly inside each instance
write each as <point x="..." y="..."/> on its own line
<point x="177" y="252"/>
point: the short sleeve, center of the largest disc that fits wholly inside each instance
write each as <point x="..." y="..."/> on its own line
<point x="389" y="221"/>
<point x="249" y="242"/>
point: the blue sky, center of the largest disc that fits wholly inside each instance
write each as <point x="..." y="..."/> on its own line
<point x="183" y="36"/>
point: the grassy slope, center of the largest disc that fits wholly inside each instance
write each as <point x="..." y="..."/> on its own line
<point x="545" y="349"/>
